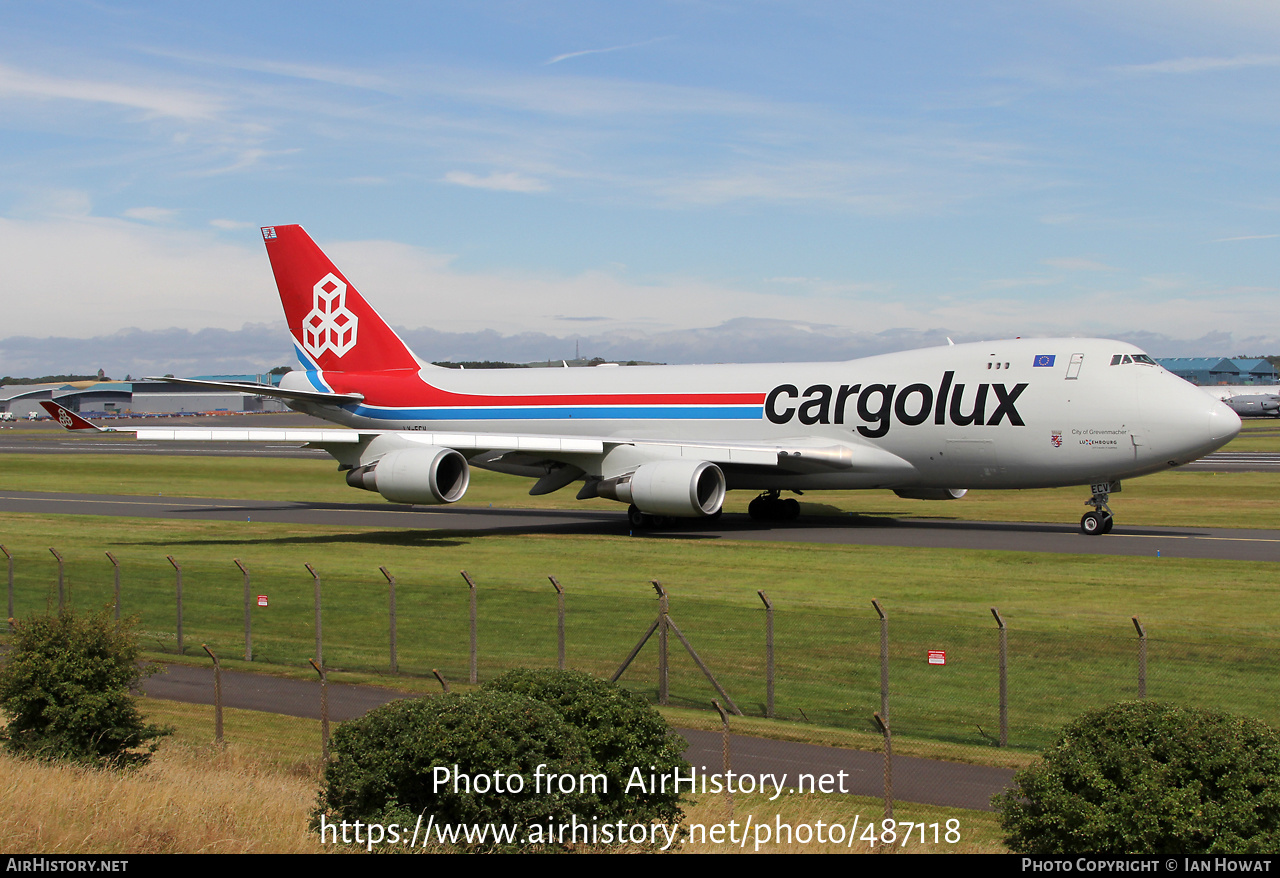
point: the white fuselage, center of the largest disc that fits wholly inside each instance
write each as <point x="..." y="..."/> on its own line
<point x="1007" y="414"/>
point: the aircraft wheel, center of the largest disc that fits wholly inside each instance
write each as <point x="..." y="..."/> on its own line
<point x="760" y="509"/>
<point x="1092" y="524"/>
<point x="790" y="509"/>
<point x="639" y="520"/>
<point x="1106" y="525"/>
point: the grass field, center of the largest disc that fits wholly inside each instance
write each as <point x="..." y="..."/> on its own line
<point x="1071" y="641"/>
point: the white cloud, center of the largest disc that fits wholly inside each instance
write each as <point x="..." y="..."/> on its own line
<point x="1071" y="263"/>
<point x="1244" y="238"/>
<point x="230" y="225"/>
<point x="88" y="277"/>
<point x="567" y="55"/>
<point x="1204" y="64"/>
<point x="160" y="101"/>
<point x="151" y="214"/>
<point x="501" y="181"/>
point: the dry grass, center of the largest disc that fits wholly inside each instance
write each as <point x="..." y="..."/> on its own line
<point x="189" y="800"/>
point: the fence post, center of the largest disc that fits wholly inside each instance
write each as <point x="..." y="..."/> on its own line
<point x="248" y="640"/>
<point x="116" y="565"/>
<point x="391" y="580"/>
<point x="884" y="660"/>
<point x="724" y="730"/>
<point x="1004" y="679"/>
<point x="472" y="586"/>
<point x="324" y="710"/>
<point x="217" y="695"/>
<point x="10" y="614"/>
<point x="178" y="568"/>
<point x="315" y="577"/>
<point x="664" y="610"/>
<point x="883" y="723"/>
<point x="62" y="599"/>
<point x="559" y="622"/>
<point x="1142" y="659"/>
<point x="768" y="655"/>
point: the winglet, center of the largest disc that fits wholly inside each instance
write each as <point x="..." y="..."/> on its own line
<point x="69" y="419"/>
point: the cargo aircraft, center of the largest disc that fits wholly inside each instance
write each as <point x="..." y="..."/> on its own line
<point x="1248" y="400"/>
<point x="669" y="441"/>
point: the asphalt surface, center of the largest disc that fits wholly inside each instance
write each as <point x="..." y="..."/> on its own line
<point x="1164" y="542"/>
<point x="923" y="781"/>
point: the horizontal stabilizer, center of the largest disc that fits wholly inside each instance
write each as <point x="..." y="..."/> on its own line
<point x="268" y="390"/>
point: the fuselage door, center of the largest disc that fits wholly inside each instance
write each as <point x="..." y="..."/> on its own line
<point x="1073" y="368"/>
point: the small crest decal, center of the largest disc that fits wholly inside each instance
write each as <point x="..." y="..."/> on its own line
<point x="268" y="233"/>
<point x="1055" y="438"/>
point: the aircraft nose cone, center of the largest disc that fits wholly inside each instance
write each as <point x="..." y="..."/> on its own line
<point x="1224" y="424"/>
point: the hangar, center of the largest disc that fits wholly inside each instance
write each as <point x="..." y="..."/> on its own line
<point x="122" y="398"/>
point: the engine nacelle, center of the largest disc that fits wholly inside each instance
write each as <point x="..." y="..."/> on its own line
<point x="679" y="488"/>
<point x="931" y="493"/>
<point x="427" y="475"/>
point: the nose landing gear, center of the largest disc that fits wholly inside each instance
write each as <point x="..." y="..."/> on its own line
<point x="1100" y="520"/>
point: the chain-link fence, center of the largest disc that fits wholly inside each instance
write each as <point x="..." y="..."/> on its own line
<point x="944" y="670"/>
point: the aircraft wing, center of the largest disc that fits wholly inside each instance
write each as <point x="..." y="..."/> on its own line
<point x="799" y="455"/>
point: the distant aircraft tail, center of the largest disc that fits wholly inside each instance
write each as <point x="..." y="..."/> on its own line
<point x="69" y="419"/>
<point x="334" y="328"/>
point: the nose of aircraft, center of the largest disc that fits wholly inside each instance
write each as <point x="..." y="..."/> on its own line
<point x="1224" y="424"/>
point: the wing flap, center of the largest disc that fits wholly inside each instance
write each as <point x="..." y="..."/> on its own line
<point x="230" y="434"/>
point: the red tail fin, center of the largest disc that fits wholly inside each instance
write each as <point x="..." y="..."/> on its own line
<point x="333" y="327"/>
<point x="69" y="419"/>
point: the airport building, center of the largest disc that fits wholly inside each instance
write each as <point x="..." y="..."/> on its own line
<point x="119" y="398"/>
<point x="1210" y="371"/>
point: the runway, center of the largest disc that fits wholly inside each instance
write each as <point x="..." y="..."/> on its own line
<point x="42" y="437"/>
<point x="861" y="530"/>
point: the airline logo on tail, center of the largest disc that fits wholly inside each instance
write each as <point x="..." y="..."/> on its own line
<point x="330" y="325"/>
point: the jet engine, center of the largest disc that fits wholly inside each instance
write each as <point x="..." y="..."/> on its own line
<point x="680" y="488"/>
<point x="931" y="493"/>
<point x="427" y="475"/>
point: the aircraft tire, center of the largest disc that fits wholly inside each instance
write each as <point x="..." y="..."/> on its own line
<point x="1092" y="524"/>
<point x="1106" y="525"/>
<point x="637" y="519"/>
<point x="790" y="509"/>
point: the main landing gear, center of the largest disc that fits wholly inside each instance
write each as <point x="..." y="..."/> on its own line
<point x="1098" y="521"/>
<point x="770" y="507"/>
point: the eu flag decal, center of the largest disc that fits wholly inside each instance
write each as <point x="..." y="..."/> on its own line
<point x="1043" y="360"/>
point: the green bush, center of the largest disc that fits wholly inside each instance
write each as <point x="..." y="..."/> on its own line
<point x="65" y="690"/>
<point x="1149" y="778"/>
<point x="623" y="731"/>
<point x="383" y="767"/>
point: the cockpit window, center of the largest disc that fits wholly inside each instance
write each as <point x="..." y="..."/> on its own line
<point x="1118" y="359"/>
<point x="1115" y="361"/>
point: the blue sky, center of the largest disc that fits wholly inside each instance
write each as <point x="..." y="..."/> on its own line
<point x="685" y="181"/>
